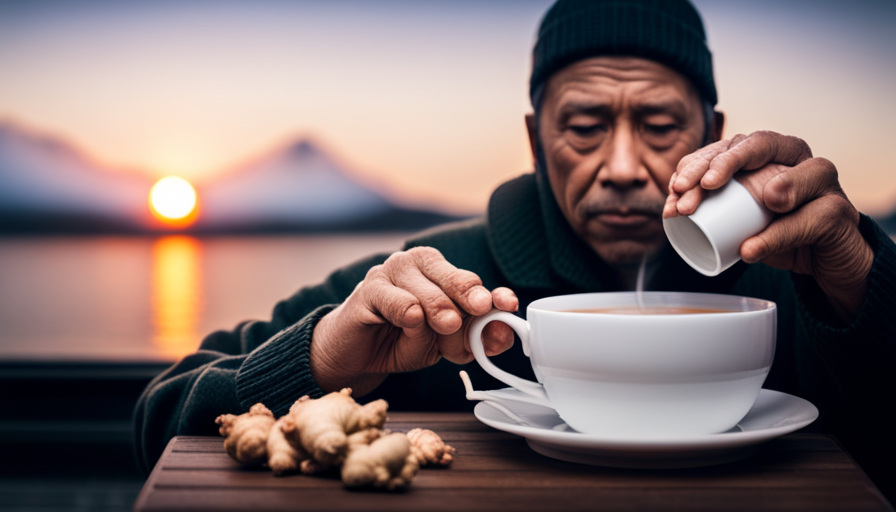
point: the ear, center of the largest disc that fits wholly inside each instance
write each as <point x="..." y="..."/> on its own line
<point x="532" y="130"/>
<point x="718" y="124"/>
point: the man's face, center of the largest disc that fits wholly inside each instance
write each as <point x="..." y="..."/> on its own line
<point x="612" y="130"/>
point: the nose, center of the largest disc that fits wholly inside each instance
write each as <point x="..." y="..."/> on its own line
<point x="622" y="166"/>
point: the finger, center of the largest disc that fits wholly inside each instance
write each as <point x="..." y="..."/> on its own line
<point x="703" y="154"/>
<point x="454" y="347"/>
<point x="670" y="209"/>
<point x="672" y="179"/>
<point x="462" y="286"/>
<point x="754" y="152"/>
<point x="692" y="167"/>
<point x="505" y="300"/>
<point x="806" y="226"/>
<point x="689" y="201"/>
<point x="787" y="188"/>
<point x="782" y="260"/>
<point x="394" y="305"/>
<point x="441" y="313"/>
<point x="496" y="338"/>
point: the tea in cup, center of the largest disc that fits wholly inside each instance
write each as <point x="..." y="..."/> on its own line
<point x="678" y="365"/>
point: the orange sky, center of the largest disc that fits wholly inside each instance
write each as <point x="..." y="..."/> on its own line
<point x="426" y="99"/>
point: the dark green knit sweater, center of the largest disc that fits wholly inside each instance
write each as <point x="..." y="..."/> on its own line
<point x="524" y="243"/>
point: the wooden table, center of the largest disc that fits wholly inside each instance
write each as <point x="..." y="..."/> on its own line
<point x="497" y="471"/>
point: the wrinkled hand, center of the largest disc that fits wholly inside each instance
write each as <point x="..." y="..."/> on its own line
<point x="816" y="229"/>
<point x="405" y="315"/>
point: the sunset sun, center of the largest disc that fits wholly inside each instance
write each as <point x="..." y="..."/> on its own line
<point x="173" y="201"/>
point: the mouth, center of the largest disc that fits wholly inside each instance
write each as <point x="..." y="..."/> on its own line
<point x="625" y="217"/>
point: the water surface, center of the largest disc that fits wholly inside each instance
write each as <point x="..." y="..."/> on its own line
<point x="152" y="298"/>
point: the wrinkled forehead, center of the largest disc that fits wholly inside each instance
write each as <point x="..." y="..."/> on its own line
<point x="619" y="82"/>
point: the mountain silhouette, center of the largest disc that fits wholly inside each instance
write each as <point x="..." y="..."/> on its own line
<point x="46" y="185"/>
<point x="299" y="183"/>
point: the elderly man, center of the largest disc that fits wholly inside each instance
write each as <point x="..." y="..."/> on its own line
<point x="623" y="133"/>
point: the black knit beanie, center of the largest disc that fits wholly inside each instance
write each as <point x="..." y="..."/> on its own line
<point x="666" y="31"/>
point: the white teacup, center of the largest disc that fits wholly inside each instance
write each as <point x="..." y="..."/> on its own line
<point x="642" y="375"/>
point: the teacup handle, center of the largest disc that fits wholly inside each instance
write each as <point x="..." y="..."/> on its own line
<point x="521" y="327"/>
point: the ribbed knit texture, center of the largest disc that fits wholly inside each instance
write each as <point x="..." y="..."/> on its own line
<point x="279" y="371"/>
<point x="518" y="234"/>
<point x="667" y="31"/>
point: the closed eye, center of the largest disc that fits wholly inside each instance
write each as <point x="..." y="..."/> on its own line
<point x="586" y="130"/>
<point x="660" y="129"/>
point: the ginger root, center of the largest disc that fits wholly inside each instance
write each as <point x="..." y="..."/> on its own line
<point x="247" y="434"/>
<point x="283" y="456"/>
<point x="332" y="432"/>
<point x="379" y="460"/>
<point x="321" y="427"/>
<point x="429" y="449"/>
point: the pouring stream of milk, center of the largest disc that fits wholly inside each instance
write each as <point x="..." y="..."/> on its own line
<point x="639" y="286"/>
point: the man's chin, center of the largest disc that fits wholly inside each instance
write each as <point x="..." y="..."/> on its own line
<point x="621" y="252"/>
<point x="619" y="244"/>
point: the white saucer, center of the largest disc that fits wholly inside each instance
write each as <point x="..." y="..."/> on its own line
<point x="774" y="414"/>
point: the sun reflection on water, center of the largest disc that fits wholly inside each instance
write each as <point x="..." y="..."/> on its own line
<point x="177" y="301"/>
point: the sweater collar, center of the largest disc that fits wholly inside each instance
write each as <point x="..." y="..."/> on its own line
<point x="517" y="236"/>
<point x="534" y="245"/>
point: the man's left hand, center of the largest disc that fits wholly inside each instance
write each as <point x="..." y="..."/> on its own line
<point x="815" y="230"/>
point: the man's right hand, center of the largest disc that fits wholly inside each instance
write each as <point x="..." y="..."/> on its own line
<point x="405" y="315"/>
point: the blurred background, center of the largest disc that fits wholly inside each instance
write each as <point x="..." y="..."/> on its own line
<point x="174" y="167"/>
